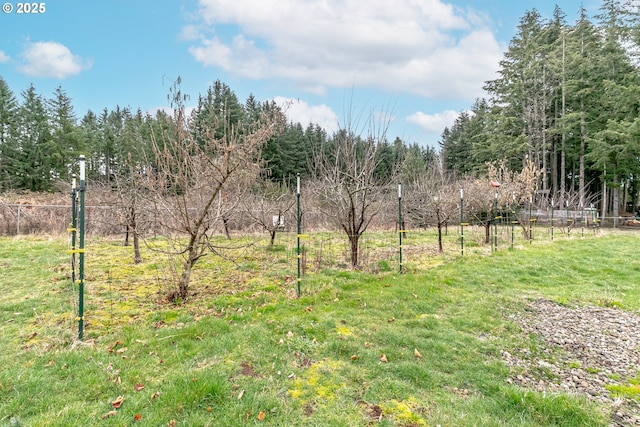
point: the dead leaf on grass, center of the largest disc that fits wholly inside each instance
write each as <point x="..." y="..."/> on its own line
<point x="109" y="414"/>
<point x="416" y="353"/>
<point x="118" y="402"/>
<point x="110" y="349"/>
<point x="383" y="358"/>
<point x="261" y="416"/>
<point x="138" y="387"/>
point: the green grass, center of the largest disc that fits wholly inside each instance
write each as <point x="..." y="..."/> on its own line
<point x="244" y="351"/>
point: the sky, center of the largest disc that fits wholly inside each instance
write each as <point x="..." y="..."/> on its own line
<point x="405" y="66"/>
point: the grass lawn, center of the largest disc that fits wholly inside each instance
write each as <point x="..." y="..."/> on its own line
<point x="357" y="349"/>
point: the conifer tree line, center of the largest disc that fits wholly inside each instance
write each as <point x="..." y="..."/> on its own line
<point x="41" y="139"/>
<point x="567" y="97"/>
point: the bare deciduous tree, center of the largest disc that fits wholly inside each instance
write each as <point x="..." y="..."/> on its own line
<point x="432" y="199"/>
<point x="269" y="208"/>
<point x="345" y="182"/>
<point x="515" y="188"/>
<point x="190" y="177"/>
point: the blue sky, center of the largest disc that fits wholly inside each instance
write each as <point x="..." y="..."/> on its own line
<point x="416" y="62"/>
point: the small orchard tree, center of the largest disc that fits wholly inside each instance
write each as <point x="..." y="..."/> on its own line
<point x="345" y="182"/>
<point x="128" y="186"/>
<point x="190" y="176"/>
<point x="432" y="199"/>
<point x="515" y="188"/>
<point x="268" y="206"/>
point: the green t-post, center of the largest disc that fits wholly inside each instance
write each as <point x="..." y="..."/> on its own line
<point x="299" y="231"/>
<point x="461" y="222"/>
<point x="81" y="251"/>
<point x="400" y="230"/>
<point x="73" y="229"/>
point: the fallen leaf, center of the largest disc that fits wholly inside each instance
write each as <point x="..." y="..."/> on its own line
<point x="383" y="358"/>
<point x="50" y="363"/>
<point x="209" y="409"/>
<point x="118" y="402"/>
<point x="416" y="353"/>
<point x="261" y="416"/>
<point x="172" y="423"/>
<point x="194" y="379"/>
<point x="121" y="350"/>
<point x="109" y="414"/>
<point x="115" y="344"/>
<point x="240" y="394"/>
<point x="137" y="417"/>
<point x="155" y="395"/>
<point x="354" y="356"/>
<point x="289" y="334"/>
<point x="138" y="387"/>
<point x="33" y="335"/>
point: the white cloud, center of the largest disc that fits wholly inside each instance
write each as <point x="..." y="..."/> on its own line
<point x="433" y="123"/>
<point x="51" y="59"/>
<point x="3" y="57"/>
<point x="428" y="47"/>
<point x="298" y="111"/>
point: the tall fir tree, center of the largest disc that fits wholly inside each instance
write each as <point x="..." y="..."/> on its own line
<point x="9" y="145"/>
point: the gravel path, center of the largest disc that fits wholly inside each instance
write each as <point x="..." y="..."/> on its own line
<point x="583" y="349"/>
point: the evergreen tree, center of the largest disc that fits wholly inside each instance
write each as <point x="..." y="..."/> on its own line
<point x="33" y="168"/>
<point x="90" y="138"/>
<point x="285" y="154"/>
<point x="65" y="138"/>
<point x="9" y="148"/>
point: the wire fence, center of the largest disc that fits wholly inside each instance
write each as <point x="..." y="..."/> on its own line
<point x="325" y="246"/>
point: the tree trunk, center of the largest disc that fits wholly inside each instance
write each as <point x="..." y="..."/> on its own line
<point x="272" y="234"/>
<point x="225" y="224"/>
<point x="440" y="249"/>
<point x="353" y="240"/>
<point x="582" y="166"/>
<point x="616" y="199"/>
<point x="563" y="172"/>
<point x="126" y="235"/>
<point x="604" y="199"/>
<point x="137" y="258"/>
<point x="487" y="232"/>
<point x="183" y="282"/>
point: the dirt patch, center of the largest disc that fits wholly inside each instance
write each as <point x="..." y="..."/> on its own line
<point x="247" y="370"/>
